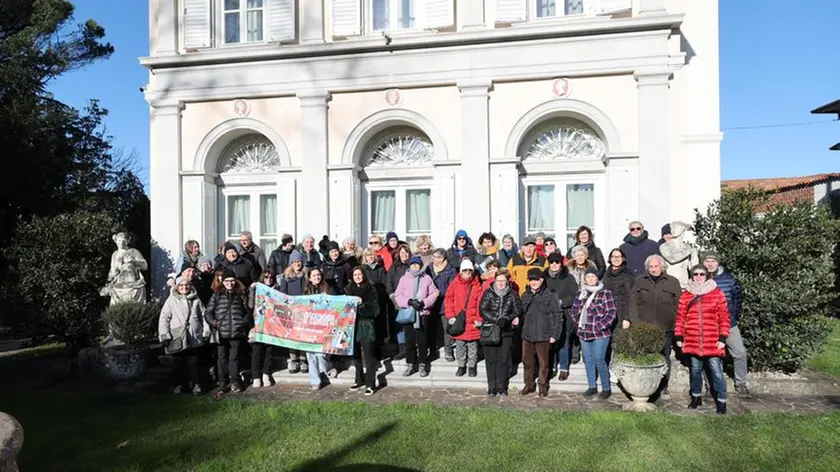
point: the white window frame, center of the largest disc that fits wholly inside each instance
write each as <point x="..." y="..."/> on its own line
<point x="532" y="11"/>
<point x="560" y="182"/>
<point x="254" y="193"/>
<point x="394" y="16"/>
<point x="400" y="206"/>
<point x="219" y="30"/>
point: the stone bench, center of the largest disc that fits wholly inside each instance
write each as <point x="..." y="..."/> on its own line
<point x="11" y="440"/>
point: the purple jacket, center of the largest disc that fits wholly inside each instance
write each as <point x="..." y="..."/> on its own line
<point x="427" y="293"/>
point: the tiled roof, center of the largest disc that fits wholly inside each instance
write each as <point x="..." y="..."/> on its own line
<point x="778" y="184"/>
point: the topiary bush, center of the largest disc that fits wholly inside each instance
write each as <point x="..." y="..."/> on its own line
<point x="782" y="256"/>
<point x="640" y="344"/>
<point x="132" y="323"/>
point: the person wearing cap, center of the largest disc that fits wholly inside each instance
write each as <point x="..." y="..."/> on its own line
<point x="249" y="250"/>
<point x="229" y="320"/>
<point x="584" y="237"/>
<point x="417" y="290"/>
<point x="292" y="283"/>
<point x="594" y="314"/>
<point x="518" y="266"/>
<point x="731" y="288"/>
<point x="462" y="297"/>
<point x="182" y="315"/>
<point x="311" y="256"/>
<point x="558" y="279"/>
<point x="336" y="269"/>
<point x="541" y="327"/>
<point x="637" y="247"/>
<point x="203" y="280"/>
<point x="392" y="242"/>
<point x="244" y="270"/>
<point x="462" y="248"/>
<point x="278" y="260"/>
<point x="351" y="252"/>
<point x="701" y="329"/>
<point x="442" y="275"/>
<point x="666" y="234"/>
<point x="550" y="247"/>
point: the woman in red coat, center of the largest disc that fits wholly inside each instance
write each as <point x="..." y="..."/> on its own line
<point x="463" y="294"/>
<point x="701" y="330"/>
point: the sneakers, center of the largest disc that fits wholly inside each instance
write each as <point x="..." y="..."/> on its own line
<point x="235" y="387"/>
<point x="695" y="402"/>
<point x="294" y="367"/>
<point x="369" y="391"/>
<point x="590" y="392"/>
<point x="409" y="370"/>
<point x="605" y="394"/>
<point x="473" y="372"/>
<point x="257" y="383"/>
<point x="492" y="392"/>
<point x="721" y="408"/>
<point x="742" y="390"/>
<point x="267" y="380"/>
<point x="177" y="390"/>
<point x="460" y="372"/>
<point x="304" y="368"/>
<point x="449" y="355"/>
<point x="333" y="373"/>
<point x="503" y="392"/>
<point x="356" y="386"/>
<point x="424" y="370"/>
<point x="196" y="390"/>
<point x="315" y="388"/>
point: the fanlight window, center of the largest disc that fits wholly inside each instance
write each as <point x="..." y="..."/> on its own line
<point x="250" y="153"/>
<point x="400" y="146"/>
<point x="562" y="139"/>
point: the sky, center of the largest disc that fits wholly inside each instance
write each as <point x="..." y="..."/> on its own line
<point x="777" y="63"/>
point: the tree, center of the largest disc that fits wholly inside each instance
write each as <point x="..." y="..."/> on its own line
<point x="782" y="255"/>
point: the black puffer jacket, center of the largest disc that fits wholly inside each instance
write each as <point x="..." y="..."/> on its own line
<point x="541" y="315"/>
<point x="620" y="283"/>
<point x="500" y="310"/>
<point x="566" y="288"/>
<point x="398" y="269"/>
<point x="243" y="269"/>
<point x="228" y="314"/>
<point x="336" y="274"/>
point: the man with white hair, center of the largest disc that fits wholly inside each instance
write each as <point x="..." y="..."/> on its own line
<point x="250" y="251"/>
<point x="654" y="300"/>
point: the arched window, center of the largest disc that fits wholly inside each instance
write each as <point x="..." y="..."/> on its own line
<point x="400" y="146"/>
<point x="249" y="153"/>
<point x="561" y="138"/>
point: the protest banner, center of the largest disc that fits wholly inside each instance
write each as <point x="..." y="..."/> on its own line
<point x="314" y="323"/>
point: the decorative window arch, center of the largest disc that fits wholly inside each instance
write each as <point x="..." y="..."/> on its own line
<point x="212" y="148"/>
<point x="398" y="145"/>
<point x="561" y="138"/>
<point x="249" y="153"/>
<point x="359" y="140"/>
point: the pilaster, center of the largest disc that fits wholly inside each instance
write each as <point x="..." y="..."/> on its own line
<point x="314" y="189"/>
<point x="655" y="176"/>
<point x="475" y="154"/>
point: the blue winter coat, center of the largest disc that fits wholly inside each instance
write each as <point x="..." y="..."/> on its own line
<point x="637" y="251"/>
<point x="734" y="296"/>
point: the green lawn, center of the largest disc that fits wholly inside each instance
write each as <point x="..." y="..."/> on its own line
<point x="111" y="432"/>
<point x="828" y="360"/>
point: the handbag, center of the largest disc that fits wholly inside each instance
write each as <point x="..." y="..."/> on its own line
<point x="408" y="315"/>
<point x="178" y="342"/>
<point x="491" y="335"/>
<point x="458" y="325"/>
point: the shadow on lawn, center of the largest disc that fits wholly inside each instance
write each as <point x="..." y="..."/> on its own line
<point x="326" y="463"/>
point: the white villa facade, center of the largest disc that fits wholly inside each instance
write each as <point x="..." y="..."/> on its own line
<point x="345" y="117"/>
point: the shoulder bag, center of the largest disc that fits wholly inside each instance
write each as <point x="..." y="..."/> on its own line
<point x="408" y="315"/>
<point x="458" y="324"/>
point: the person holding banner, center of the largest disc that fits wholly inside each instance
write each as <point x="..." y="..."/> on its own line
<point x="261" y="353"/>
<point x="319" y="363"/>
<point x="291" y="284"/>
<point x="415" y="294"/>
<point x="365" y="330"/>
<point x="336" y="270"/>
<point x="228" y="316"/>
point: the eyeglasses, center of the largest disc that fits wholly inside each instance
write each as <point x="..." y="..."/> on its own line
<point x="466" y="270"/>
<point x="462" y="238"/>
<point x="377" y="243"/>
<point x="699" y="274"/>
<point x="636" y="228"/>
<point x="616" y="257"/>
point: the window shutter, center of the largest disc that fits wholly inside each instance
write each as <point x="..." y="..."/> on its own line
<point x="281" y="20"/>
<point x="509" y="11"/>
<point x="608" y="7"/>
<point x="347" y="17"/>
<point x="196" y="24"/>
<point x="440" y="13"/>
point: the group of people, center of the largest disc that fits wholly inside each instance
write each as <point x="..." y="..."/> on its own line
<point x="528" y="303"/>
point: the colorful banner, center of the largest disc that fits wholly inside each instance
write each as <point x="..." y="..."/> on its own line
<point x="314" y="323"/>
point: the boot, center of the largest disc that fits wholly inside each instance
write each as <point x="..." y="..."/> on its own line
<point x="460" y="372"/>
<point x="402" y="353"/>
<point x="449" y="354"/>
<point x="543" y="391"/>
<point x="527" y="389"/>
<point x="564" y="374"/>
<point x="409" y="370"/>
<point x="424" y="370"/>
<point x="294" y="367"/>
<point x="721" y="408"/>
<point x="304" y="367"/>
<point x="590" y="392"/>
<point x="695" y="402"/>
<point x="473" y="372"/>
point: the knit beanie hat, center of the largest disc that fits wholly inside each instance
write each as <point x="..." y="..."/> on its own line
<point x="203" y="259"/>
<point x="229" y="247"/>
<point x="296" y="257"/>
<point x="391" y="235"/>
<point x="228" y="274"/>
<point x="332" y="245"/>
<point x="286" y="239"/>
<point x="666" y="229"/>
<point x="710" y="255"/>
<point x="591" y="270"/>
<point x="415" y="260"/>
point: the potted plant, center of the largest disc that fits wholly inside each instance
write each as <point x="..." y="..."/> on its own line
<point x="638" y="363"/>
<point x="133" y="325"/>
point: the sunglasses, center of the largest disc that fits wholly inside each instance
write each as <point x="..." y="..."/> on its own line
<point x="460" y="238"/>
<point x="699" y="274"/>
<point x="374" y="242"/>
<point x="556" y="262"/>
<point x="637" y="228"/>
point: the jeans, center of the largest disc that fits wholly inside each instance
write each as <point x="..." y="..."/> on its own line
<point x="363" y="357"/>
<point x="735" y="344"/>
<point x="528" y="350"/>
<point x="261" y="359"/>
<point x="417" y="347"/>
<point x="318" y="364"/>
<point x="228" y="358"/>
<point x="466" y="353"/>
<point x="715" y="367"/>
<point x="564" y="352"/>
<point x="186" y="367"/>
<point x="594" y="360"/>
<point x="497" y="363"/>
<point x="447" y="339"/>
<point x="668" y="345"/>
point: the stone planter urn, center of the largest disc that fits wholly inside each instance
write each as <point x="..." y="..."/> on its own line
<point x="124" y="363"/>
<point x="640" y="382"/>
<point x="11" y="440"/>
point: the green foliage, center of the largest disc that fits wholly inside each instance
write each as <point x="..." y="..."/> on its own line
<point x="640" y="344"/>
<point x="132" y="323"/>
<point x="60" y="264"/>
<point x="782" y="256"/>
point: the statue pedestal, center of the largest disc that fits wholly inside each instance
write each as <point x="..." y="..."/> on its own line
<point x="11" y="441"/>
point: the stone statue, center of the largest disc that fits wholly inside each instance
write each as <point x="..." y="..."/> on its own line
<point x="679" y="254"/>
<point x="125" y="279"/>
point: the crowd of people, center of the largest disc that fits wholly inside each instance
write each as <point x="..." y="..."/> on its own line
<point x="526" y="303"/>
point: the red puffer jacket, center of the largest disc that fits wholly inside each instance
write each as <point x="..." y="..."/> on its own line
<point x="703" y="324"/>
<point x="456" y="301"/>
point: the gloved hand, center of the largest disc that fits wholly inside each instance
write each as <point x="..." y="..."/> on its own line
<point x="417" y="304"/>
